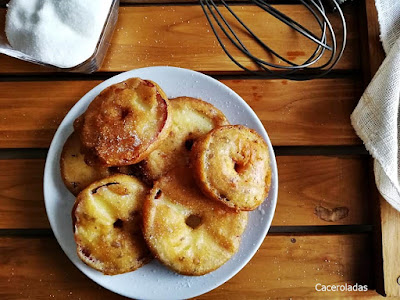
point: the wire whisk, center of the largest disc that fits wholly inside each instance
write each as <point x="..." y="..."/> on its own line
<point x="327" y="44"/>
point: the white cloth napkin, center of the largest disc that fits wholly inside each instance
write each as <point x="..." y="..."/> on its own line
<point x="376" y="117"/>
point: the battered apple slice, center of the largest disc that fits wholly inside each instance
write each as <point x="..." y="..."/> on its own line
<point x="124" y="123"/>
<point x="187" y="232"/>
<point x="107" y="218"/>
<point x="75" y="172"/>
<point x="231" y="165"/>
<point x="191" y="118"/>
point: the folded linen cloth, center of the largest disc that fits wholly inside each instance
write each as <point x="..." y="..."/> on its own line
<point x="376" y="117"/>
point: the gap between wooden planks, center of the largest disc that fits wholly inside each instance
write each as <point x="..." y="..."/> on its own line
<point x="180" y="36"/>
<point x="302" y="181"/>
<point x="306" y="113"/>
<point x="283" y="267"/>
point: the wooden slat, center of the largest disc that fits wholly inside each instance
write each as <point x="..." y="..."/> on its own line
<point x="304" y="184"/>
<point x="375" y="48"/>
<point x="372" y="55"/>
<point x="303" y="113"/>
<point x="30" y="112"/>
<point x="284" y="266"/>
<point x="390" y="218"/>
<point x="390" y="248"/>
<point x="180" y="36"/>
<point x="39" y="269"/>
<point x="21" y="194"/>
<point x="311" y="182"/>
<point x="294" y="113"/>
<point x="291" y="266"/>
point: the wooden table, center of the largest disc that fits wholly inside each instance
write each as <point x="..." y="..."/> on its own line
<point x="321" y="161"/>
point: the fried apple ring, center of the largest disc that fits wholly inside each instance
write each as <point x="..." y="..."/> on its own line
<point x="124" y="123"/>
<point x="191" y="119"/>
<point x="107" y="218"/>
<point x="75" y="172"/>
<point x="187" y="232"/>
<point x="231" y="165"/>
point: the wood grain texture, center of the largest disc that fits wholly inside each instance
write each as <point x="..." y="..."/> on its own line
<point x="390" y="248"/>
<point x="311" y="182"/>
<point x="375" y="49"/>
<point x="305" y="183"/>
<point x="30" y="112"/>
<point x="303" y="113"/>
<point x="293" y="113"/>
<point x="180" y="36"/>
<point x="284" y="266"/>
<point x="390" y="218"/>
<point x="21" y="194"/>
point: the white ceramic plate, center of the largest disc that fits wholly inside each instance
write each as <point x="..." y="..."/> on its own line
<point x="154" y="281"/>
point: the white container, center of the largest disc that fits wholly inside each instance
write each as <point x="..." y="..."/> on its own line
<point x="92" y="64"/>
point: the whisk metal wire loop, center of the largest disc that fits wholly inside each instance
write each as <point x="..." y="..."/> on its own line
<point x="315" y="7"/>
<point x="294" y="66"/>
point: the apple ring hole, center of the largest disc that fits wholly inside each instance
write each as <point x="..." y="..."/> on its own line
<point x="189" y="144"/>
<point x="239" y="167"/>
<point x="158" y="194"/>
<point x="118" y="224"/>
<point x="193" y="221"/>
<point x="124" y="113"/>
